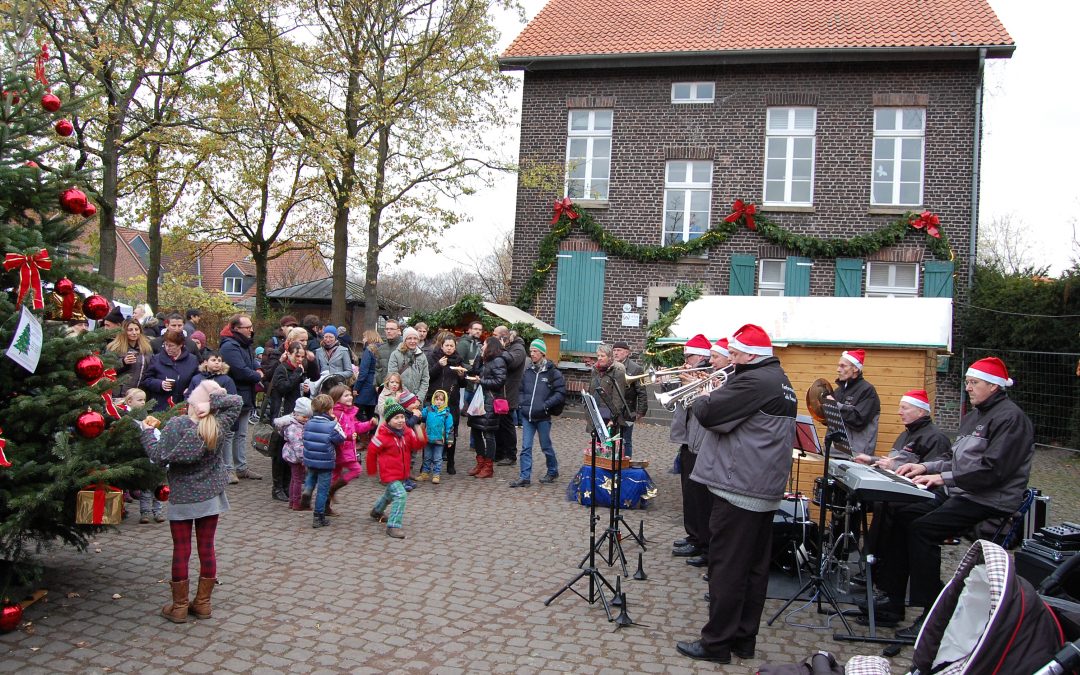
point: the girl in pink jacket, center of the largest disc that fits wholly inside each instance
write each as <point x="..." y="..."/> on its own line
<point x="347" y="466"/>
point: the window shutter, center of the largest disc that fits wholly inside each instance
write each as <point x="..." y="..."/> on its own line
<point x="797" y="276"/>
<point x="848" y="277"/>
<point x="743" y="269"/>
<point x="937" y="279"/>
<point x="579" y="299"/>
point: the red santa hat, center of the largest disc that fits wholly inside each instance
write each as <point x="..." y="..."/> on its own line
<point x="752" y="340"/>
<point x="856" y="357"/>
<point x="992" y="370"/>
<point x="721" y="347"/>
<point x="699" y="344"/>
<point x="917" y="398"/>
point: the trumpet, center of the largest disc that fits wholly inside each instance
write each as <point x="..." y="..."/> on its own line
<point x="665" y="375"/>
<point x="688" y="392"/>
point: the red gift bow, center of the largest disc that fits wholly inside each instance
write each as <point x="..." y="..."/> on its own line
<point x="29" y="273"/>
<point x="928" y="220"/>
<point x="110" y="405"/>
<point x="743" y="210"/>
<point x="99" y="501"/>
<point x="39" y="65"/>
<point x="3" y="459"/>
<point x="562" y="206"/>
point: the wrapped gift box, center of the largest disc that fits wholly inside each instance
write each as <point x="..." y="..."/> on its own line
<point x="103" y="505"/>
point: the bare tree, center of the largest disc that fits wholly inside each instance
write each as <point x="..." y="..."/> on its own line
<point x="1004" y="245"/>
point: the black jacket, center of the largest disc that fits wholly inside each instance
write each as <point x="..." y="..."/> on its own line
<point x="493" y="381"/>
<point x="516" y="356"/>
<point x="921" y="441"/>
<point x="861" y="408"/>
<point x="284" y="390"/>
<point x="444" y="378"/>
<point x="542" y="389"/>
<point x="637" y="398"/>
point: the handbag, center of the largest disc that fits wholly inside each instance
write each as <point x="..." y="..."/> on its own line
<point x="500" y="406"/>
<point x="262" y="437"/>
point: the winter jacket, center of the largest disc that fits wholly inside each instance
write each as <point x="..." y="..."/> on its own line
<point x="365" y="380"/>
<point x="413" y="368"/>
<point x="162" y="367"/>
<point x="921" y="441"/>
<point x="196" y="473"/>
<point x="389" y="451"/>
<point x="438" y="424"/>
<point x="189" y="345"/>
<point x="493" y="382"/>
<point x="337" y="360"/>
<point x="861" y="408"/>
<point x="752" y="424"/>
<point x="446" y="379"/>
<point x="271" y="358"/>
<point x="236" y="351"/>
<point x="346" y="418"/>
<point x="129" y="375"/>
<point x="384" y="396"/>
<point x="468" y="348"/>
<point x="608" y="387"/>
<point x="285" y="389"/>
<point x="516" y="356"/>
<point x="322" y="435"/>
<point x="221" y="378"/>
<point x="292" y="430"/>
<point x="991" y="457"/>
<point x="542" y="389"/>
<point x="382" y="356"/>
<point x="637" y="398"/>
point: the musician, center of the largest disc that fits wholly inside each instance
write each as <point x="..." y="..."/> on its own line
<point x="608" y="383"/>
<point x="745" y="462"/>
<point x="985" y="478"/>
<point x="695" y="354"/>
<point x="858" y="402"/>
<point x="635" y="395"/>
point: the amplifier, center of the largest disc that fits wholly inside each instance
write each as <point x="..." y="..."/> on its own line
<point x="1039" y="548"/>
<point x="1065" y="532"/>
<point x="1035" y="568"/>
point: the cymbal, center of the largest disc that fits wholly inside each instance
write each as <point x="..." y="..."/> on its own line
<point x="815" y="395"/>
<point x="799" y="454"/>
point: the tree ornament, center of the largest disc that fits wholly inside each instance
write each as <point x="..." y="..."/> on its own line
<point x="32" y="164"/>
<point x="90" y="424"/>
<point x="50" y="102"/>
<point x="30" y="267"/>
<point x="65" y="287"/>
<point x="95" y="308"/>
<point x="73" y="200"/>
<point x="3" y="458"/>
<point x="90" y="211"/>
<point x="64" y="128"/>
<point x="14" y="96"/>
<point x="66" y="291"/>
<point x="11" y="614"/>
<point x="90" y="368"/>
<point x="162" y="493"/>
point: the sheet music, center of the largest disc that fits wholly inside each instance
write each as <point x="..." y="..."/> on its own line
<point x="841" y="444"/>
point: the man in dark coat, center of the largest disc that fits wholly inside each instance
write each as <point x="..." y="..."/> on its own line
<point x="858" y="402"/>
<point x="237" y="351"/>
<point x="636" y="396"/>
<point x="174" y="323"/>
<point x="389" y="345"/>
<point x="543" y="392"/>
<point x="516" y="355"/>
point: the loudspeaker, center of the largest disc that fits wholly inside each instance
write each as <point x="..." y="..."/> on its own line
<point x="791" y="530"/>
<point x="1035" y="568"/>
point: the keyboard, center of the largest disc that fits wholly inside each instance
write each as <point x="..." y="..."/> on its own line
<point x="874" y="484"/>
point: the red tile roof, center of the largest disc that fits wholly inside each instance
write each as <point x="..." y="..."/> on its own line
<point x="588" y="27"/>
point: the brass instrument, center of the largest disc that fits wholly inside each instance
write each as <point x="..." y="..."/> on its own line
<point x="665" y="375"/>
<point x="688" y="392"/>
<point x="815" y="398"/>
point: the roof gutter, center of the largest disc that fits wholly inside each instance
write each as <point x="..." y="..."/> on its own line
<point x="976" y="159"/>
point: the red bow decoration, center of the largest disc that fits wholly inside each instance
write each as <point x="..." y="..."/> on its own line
<point x="564" y="206"/>
<point x="29" y="273"/>
<point x="742" y="210"/>
<point x="99" y="501"/>
<point x="927" y="220"/>
<point x="39" y="65"/>
<point x="3" y="460"/>
<point x="110" y="405"/>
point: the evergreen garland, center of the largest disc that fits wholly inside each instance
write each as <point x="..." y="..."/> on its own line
<point x="471" y="308"/>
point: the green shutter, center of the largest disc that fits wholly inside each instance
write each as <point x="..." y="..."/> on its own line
<point x="937" y="279"/>
<point x="743" y="271"/>
<point x="797" y="276"/>
<point x="579" y="299"/>
<point x="848" y="277"/>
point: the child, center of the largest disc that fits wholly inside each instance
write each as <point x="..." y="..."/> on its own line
<point x="322" y="435"/>
<point x="347" y="467"/>
<point x="439" y="425"/>
<point x="411" y="404"/>
<point x="291" y="428"/>
<point x="134" y="398"/>
<point x="213" y="368"/>
<point x="391" y="390"/>
<point x="148" y="505"/>
<point x="389" y="452"/>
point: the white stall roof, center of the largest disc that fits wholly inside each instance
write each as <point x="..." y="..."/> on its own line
<point x="866" y="322"/>
<point x="514" y="314"/>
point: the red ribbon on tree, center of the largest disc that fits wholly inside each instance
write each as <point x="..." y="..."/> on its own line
<point x="29" y="274"/>
<point x="564" y="206"/>
<point x="39" y="65"/>
<point x="928" y="220"/>
<point x="742" y="210"/>
<point x="3" y="459"/>
<point x="110" y="405"/>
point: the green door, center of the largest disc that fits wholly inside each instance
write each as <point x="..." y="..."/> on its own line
<point x="579" y="299"/>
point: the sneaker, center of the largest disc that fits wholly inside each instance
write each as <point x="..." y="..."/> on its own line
<point x="395" y="532"/>
<point x="520" y="482"/>
<point x="144" y="519"/>
<point x="232" y="478"/>
<point x="435" y="479"/>
<point x="409" y="487"/>
<point x="506" y="462"/>
<point x="253" y="417"/>
<point x="248" y="474"/>
<point x="319" y="520"/>
<point x="158" y="518"/>
<point x="549" y="478"/>
<point x="305" y="501"/>
<point x="424" y="476"/>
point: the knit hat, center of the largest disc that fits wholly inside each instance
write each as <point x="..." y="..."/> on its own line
<point x="330" y="329"/>
<point x="200" y="336"/>
<point x="699" y="344"/>
<point x="721" y="347"/>
<point x="392" y="409"/>
<point x="539" y="346"/>
<point x="409" y="331"/>
<point x="406" y="399"/>
<point x="992" y="370"/>
<point x="288" y="320"/>
<point x="259" y="351"/>
<point x="856" y="357"/>
<point x="621" y="344"/>
<point x="302" y="407"/>
<point x="917" y="398"/>
<point x="752" y="340"/>
<point x="115" y="315"/>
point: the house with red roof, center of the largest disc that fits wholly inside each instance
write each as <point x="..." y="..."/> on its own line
<point x="832" y="121"/>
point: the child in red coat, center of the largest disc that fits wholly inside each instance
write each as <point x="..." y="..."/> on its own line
<point x="347" y="466"/>
<point x="390" y="450"/>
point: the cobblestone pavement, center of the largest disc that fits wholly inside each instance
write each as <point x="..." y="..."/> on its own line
<point x="463" y="593"/>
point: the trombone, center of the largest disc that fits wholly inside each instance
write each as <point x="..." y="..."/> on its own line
<point x="665" y="375"/>
<point x="688" y="392"/>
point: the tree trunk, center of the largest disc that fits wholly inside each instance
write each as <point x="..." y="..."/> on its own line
<point x="259" y="254"/>
<point x="341" y="257"/>
<point x="375" y="209"/>
<point x="153" y="264"/>
<point x="107" y="214"/>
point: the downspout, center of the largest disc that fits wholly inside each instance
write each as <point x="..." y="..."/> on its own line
<point x="976" y="165"/>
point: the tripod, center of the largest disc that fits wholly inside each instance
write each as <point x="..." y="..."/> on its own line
<point x="597" y="582"/>
<point x="612" y="534"/>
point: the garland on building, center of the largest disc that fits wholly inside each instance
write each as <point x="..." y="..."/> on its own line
<point x="470" y="308"/>
<point x="566" y="218"/>
<point x="666" y="356"/>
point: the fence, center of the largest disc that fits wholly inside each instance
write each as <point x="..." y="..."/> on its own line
<point x="1047" y="389"/>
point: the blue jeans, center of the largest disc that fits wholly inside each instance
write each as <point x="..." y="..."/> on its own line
<point x="318" y="481"/>
<point x="542" y="427"/>
<point x="237" y="458"/>
<point x="626" y="432"/>
<point x="433" y="456"/>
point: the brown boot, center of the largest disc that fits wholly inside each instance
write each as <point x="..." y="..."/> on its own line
<point x="479" y="465"/>
<point x="176" y="611"/>
<point x="334" y="487"/>
<point x="488" y="470"/>
<point x="200" y="606"/>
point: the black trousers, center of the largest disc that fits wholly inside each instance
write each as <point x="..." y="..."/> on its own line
<point x="484" y="443"/>
<point x="739" y="559"/>
<point x="506" y="438"/>
<point x="696" y="501"/>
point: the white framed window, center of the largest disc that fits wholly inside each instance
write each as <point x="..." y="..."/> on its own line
<point x="693" y="92"/>
<point x="687" y="195"/>
<point x="771" y="277"/>
<point x="588" y="154"/>
<point x="899" y="142"/>
<point x="892" y="280"/>
<point x="234" y="285"/>
<point x="790" y="140"/>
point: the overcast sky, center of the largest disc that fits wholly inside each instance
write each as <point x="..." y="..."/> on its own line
<point x="1030" y="140"/>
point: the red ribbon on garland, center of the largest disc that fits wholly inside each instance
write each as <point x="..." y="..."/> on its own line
<point x="30" y="267"/>
<point x="99" y="501"/>
<point x="562" y="206"/>
<point x="742" y="210"/>
<point x="3" y="459"/>
<point x="110" y="405"/>
<point x="39" y="65"/>
<point x="927" y="220"/>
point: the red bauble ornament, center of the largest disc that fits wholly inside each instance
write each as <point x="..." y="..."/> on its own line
<point x="90" y="211"/>
<point x="14" y="96"/>
<point x="51" y="102"/>
<point x="64" y="128"/>
<point x="90" y="368"/>
<point x="11" y="614"/>
<point x="65" y="287"/>
<point x="95" y="308"/>
<point x="73" y="200"/>
<point x="32" y="164"/>
<point x="90" y="424"/>
<point x="162" y="493"/>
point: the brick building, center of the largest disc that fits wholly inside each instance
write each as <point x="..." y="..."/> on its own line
<point x="834" y="117"/>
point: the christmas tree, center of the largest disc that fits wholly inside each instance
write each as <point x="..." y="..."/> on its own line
<point x="52" y="452"/>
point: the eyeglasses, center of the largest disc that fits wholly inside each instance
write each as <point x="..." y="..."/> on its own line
<point x="248" y="327"/>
